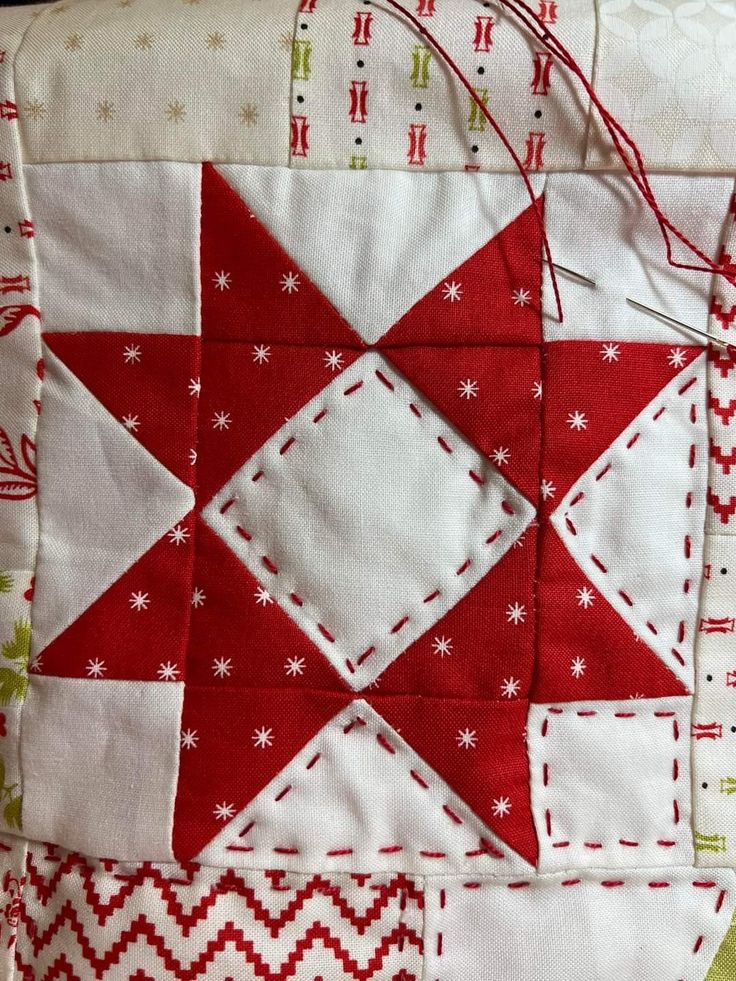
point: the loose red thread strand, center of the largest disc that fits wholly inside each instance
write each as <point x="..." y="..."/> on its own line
<point x="637" y="169"/>
<point x="528" y="17"/>
<point x="446" y="57"/>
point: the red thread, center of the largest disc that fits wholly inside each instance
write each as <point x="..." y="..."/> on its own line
<point x="287" y="445"/>
<point x="257" y="476"/>
<point x="415" y="410"/>
<point x="464" y="567"/>
<point x="385" y="744"/>
<point x="505" y="506"/>
<point x="597" y="562"/>
<point x="295" y="598"/>
<point x="339" y="851"/>
<point x="477" y="477"/>
<point x="243" y="533"/>
<point x="494" y="537"/>
<point x="283" y="793"/>
<point x="451" y="814"/>
<point x="320" y="416"/>
<point x="698" y="944"/>
<point x="313" y="760"/>
<point x="444" y="444"/>
<point x="353" y="388"/>
<point x="227" y="505"/>
<point x="270" y="565"/>
<point x="401" y="623"/>
<point x="325" y="633"/>
<point x="419" y="779"/>
<point x="384" y="380"/>
<point x="432" y="596"/>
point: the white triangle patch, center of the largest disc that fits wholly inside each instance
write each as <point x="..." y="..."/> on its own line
<point x="374" y="271"/>
<point x="357" y="797"/>
<point x="647" y="569"/>
<point x="104" y="500"/>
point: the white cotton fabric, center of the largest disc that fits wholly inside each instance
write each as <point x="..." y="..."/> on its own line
<point x="100" y="763"/>
<point x="631" y="531"/>
<point x="104" y="501"/>
<point x="600" y="228"/>
<point x="611" y="783"/>
<point x="329" y="510"/>
<point x="380" y="805"/>
<point x="576" y="927"/>
<point x="369" y="241"/>
<point x="118" y="245"/>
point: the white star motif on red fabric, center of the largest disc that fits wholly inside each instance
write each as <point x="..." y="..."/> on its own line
<point x="516" y="613"/>
<point x="522" y="298"/>
<point x="263" y="737"/>
<point x="168" y="671"/>
<point x="195" y="386"/>
<point x="610" y="353"/>
<point x="501" y="806"/>
<point x="547" y="489"/>
<point x="139" y="600"/>
<point x="262" y="596"/>
<point x="294" y="666"/>
<point x="178" y="535"/>
<point x="466" y="738"/>
<point x="222" y="281"/>
<point x="132" y="354"/>
<point x="585" y="597"/>
<point x="261" y="353"/>
<point x="189" y="739"/>
<point x="333" y="360"/>
<point x="131" y="423"/>
<point x="577" y="420"/>
<point x="577" y="667"/>
<point x="222" y="667"/>
<point x="290" y="283"/>
<point x="442" y="646"/>
<point x="501" y="455"/>
<point x="96" y="668"/>
<point x="537" y="390"/>
<point x="224" y="811"/>
<point x="221" y="420"/>
<point x="198" y="597"/>
<point x="510" y="687"/>
<point x="452" y="291"/>
<point x="468" y="389"/>
<point x="676" y="357"/>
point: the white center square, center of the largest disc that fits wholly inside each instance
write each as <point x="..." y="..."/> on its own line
<point x="368" y="516"/>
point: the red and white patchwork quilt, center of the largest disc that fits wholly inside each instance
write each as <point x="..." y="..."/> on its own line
<point x="360" y="617"/>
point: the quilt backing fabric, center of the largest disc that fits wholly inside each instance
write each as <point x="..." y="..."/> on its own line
<point x="361" y="617"/>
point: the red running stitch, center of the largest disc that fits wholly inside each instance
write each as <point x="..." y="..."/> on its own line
<point x="687" y="544"/>
<point x="546" y="768"/>
<point x="271" y="566"/>
<point x="486" y="847"/>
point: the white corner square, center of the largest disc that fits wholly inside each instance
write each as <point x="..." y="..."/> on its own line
<point x="611" y="783"/>
<point x="117" y="245"/>
<point x="100" y="761"/>
<point x="599" y="228"/>
<point x="367" y="516"/>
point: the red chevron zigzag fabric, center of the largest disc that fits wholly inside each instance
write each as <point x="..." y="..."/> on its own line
<point x="361" y="618"/>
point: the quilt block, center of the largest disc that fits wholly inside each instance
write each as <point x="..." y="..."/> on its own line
<point x="362" y="616"/>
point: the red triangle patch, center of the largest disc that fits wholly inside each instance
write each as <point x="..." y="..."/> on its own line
<point x="479" y="749"/>
<point x="146" y="381"/>
<point x="252" y="290"/>
<point x="592" y="391"/>
<point x="484" y="647"/>
<point x="223" y="764"/>
<point x="257" y="644"/>
<point x="586" y="649"/>
<point x="489" y="394"/>
<point x="491" y="298"/>
<point x="137" y="629"/>
<point x="248" y="393"/>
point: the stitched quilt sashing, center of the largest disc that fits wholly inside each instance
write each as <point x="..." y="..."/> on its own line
<point x="367" y="491"/>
